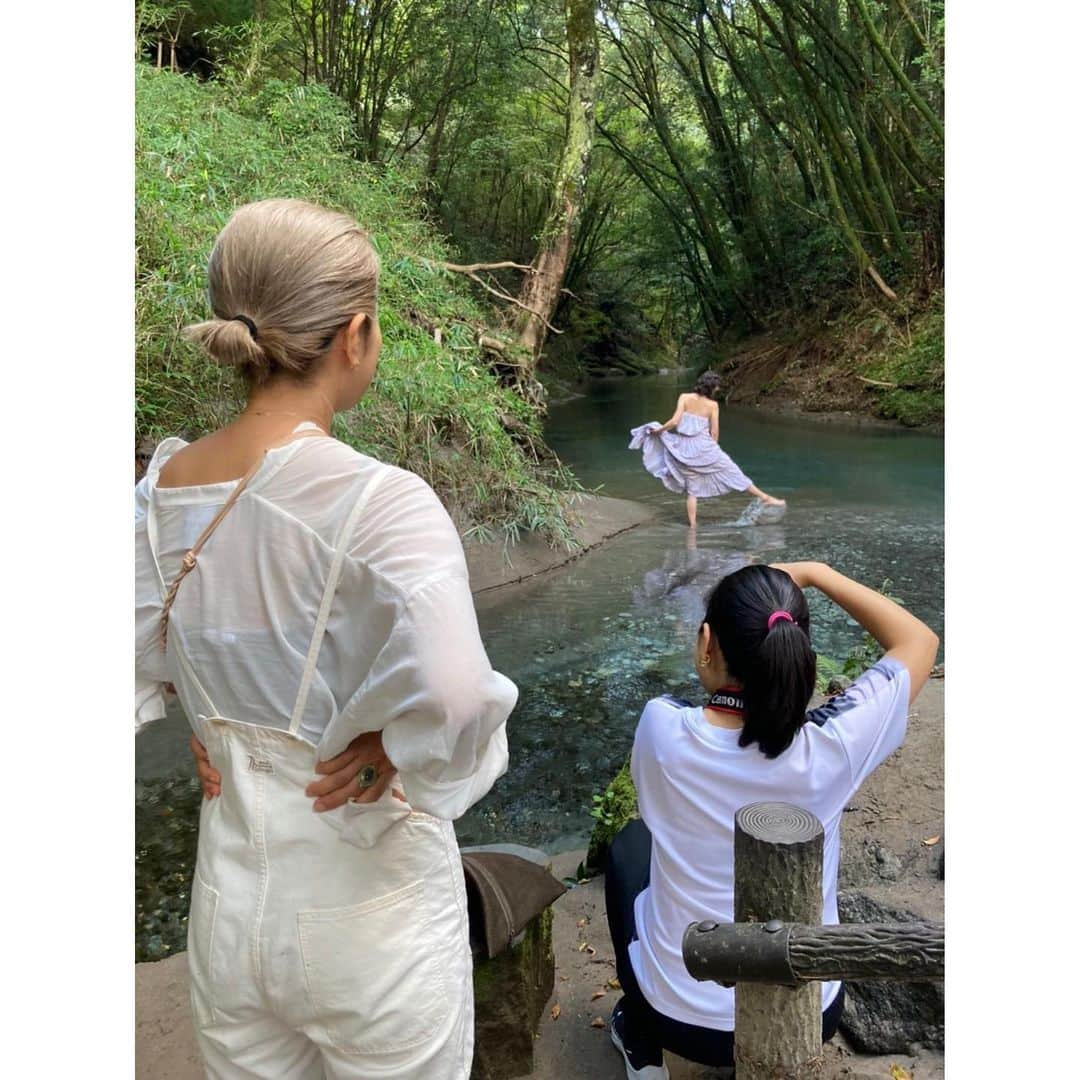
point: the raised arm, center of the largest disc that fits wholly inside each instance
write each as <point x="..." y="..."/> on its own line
<point x="680" y="408"/>
<point x="903" y="637"/>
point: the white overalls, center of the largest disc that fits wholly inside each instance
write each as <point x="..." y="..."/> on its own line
<point x="311" y="957"/>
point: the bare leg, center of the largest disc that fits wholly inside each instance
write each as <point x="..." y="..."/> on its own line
<point x="768" y="500"/>
<point x="691" y="510"/>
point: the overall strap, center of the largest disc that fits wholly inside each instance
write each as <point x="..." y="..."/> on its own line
<point x="340" y="551"/>
<point x="152" y="543"/>
<point x="191" y="555"/>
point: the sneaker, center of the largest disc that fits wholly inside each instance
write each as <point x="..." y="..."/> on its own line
<point x="638" y="1065"/>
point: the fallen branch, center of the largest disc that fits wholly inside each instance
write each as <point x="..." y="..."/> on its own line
<point x="471" y="268"/>
<point x="513" y="300"/>
<point x="877" y="382"/>
<point x="492" y="343"/>
<point x="876" y="278"/>
<point x="470" y="271"/>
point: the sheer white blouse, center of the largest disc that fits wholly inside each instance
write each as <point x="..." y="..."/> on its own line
<point x="402" y="652"/>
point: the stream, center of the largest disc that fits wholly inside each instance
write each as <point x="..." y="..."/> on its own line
<point x="588" y="644"/>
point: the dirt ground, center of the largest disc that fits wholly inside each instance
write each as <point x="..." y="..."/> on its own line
<point x="886" y="854"/>
<point x="819" y="366"/>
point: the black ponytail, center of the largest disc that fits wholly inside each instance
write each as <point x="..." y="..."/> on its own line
<point x="776" y="664"/>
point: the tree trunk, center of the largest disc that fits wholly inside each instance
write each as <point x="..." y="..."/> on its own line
<point x="540" y="292"/>
<point x="778" y="866"/>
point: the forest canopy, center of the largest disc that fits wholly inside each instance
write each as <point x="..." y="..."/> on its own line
<point x="621" y="184"/>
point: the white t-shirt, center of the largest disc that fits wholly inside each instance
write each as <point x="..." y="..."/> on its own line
<point x="402" y="652"/>
<point x="692" y="777"/>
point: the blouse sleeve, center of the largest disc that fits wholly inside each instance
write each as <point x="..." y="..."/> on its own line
<point x="446" y="708"/>
<point x="150" y="673"/>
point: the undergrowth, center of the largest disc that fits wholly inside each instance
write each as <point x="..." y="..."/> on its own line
<point x="908" y="359"/>
<point x="437" y="410"/>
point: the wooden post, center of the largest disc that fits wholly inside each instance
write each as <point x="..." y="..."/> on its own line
<point x="778" y="867"/>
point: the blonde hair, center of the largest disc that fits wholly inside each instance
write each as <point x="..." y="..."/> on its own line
<point x="284" y="277"/>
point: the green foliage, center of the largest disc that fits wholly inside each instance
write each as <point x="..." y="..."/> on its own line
<point x="867" y="651"/>
<point x="437" y="410"/>
<point x="917" y="368"/>
<point x="753" y="163"/>
<point x="612" y="809"/>
<point x="827" y="670"/>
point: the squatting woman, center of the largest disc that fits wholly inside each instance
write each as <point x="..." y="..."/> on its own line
<point x="753" y="741"/>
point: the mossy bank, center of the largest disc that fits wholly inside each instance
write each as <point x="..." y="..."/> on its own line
<point x="437" y="406"/>
<point x="854" y="357"/>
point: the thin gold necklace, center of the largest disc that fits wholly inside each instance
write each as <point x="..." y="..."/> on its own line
<point x="324" y="428"/>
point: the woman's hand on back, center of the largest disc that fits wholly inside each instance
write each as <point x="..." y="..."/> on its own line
<point x="209" y="777"/>
<point x="341" y="784"/>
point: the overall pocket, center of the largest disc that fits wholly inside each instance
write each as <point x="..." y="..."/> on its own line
<point x="374" y="976"/>
<point x="203" y="916"/>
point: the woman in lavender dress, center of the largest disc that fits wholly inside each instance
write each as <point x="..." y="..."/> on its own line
<point x="683" y="453"/>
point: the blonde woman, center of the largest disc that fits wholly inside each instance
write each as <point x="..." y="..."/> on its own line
<point x="312" y="605"/>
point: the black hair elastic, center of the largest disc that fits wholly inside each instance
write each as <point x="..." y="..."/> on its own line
<point x="248" y="323"/>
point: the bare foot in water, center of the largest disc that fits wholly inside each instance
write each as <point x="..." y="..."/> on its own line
<point x="768" y="500"/>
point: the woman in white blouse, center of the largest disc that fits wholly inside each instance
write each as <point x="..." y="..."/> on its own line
<point x="311" y="604"/>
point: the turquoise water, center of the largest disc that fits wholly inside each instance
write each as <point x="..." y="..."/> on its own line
<point x="590" y="643"/>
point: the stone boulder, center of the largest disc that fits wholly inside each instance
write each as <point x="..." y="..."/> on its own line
<point x="511" y="990"/>
<point x="889" y="1017"/>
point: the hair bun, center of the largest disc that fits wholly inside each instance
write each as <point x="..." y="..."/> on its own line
<point x="230" y="342"/>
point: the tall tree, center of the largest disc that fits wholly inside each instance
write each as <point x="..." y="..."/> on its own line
<point x="540" y="292"/>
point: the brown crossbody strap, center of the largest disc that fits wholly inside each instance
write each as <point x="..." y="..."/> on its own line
<point x="192" y="554"/>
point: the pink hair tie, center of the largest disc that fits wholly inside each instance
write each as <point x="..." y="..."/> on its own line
<point x="778" y="615"/>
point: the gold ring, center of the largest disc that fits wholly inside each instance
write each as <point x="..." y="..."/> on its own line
<point x="367" y="776"/>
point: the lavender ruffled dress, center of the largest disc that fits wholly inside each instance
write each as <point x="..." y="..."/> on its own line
<point x="687" y="460"/>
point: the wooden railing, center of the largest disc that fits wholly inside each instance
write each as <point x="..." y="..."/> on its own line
<point x="776" y="950"/>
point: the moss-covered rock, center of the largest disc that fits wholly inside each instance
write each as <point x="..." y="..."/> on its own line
<point x="612" y="809"/>
<point x="510" y="992"/>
